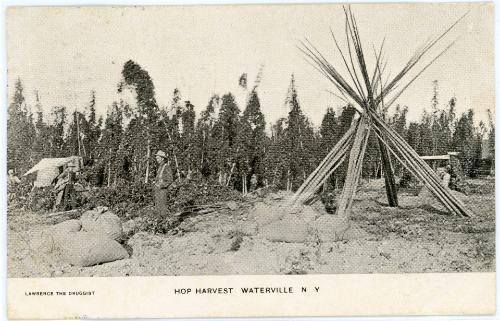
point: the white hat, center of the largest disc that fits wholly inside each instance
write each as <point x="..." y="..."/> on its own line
<point x="161" y="154"/>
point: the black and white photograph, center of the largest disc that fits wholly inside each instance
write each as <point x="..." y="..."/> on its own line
<point x="250" y="140"/>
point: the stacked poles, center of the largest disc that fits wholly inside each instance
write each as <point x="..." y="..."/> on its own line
<point x="356" y="157"/>
<point x="418" y="167"/>
<point x="326" y="168"/>
<point x="367" y="95"/>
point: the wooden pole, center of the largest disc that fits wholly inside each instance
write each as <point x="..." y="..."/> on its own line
<point x="288" y="188"/>
<point x="77" y="132"/>
<point x="148" y="156"/>
<point x="274" y="175"/>
<point x="109" y="173"/>
<point x="354" y="169"/>
<point x="230" y="174"/>
<point x="390" y="182"/>
<point x="177" y="165"/>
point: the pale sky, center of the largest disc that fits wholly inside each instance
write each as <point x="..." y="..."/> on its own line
<point x="64" y="53"/>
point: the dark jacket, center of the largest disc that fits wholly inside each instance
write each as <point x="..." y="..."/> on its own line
<point x="164" y="179"/>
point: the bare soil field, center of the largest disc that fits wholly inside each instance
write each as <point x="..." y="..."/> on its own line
<point x="252" y="239"/>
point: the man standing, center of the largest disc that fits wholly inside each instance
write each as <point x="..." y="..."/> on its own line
<point x="12" y="180"/>
<point x="446" y="178"/>
<point x="253" y="183"/>
<point x="164" y="179"/>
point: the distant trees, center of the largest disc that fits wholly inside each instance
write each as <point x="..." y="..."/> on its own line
<point x="224" y="143"/>
<point x="398" y="121"/>
<point x="298" y="140"/>
<point x="20" y="131"/>
<point x="276" y="157"/>
<point x="91" y="127"/>
<point x="112" y="152"/>
<point x="145" y="117"/>
<point x="468" y="143"/>
<point x="251" y="140"/>
<point x="329" y="136"/>
<point x="74" y="139"/>
<point x="207" y="141"/>
<point x="491" y="140"/>
<point x="58" y="144"/>
<point x="226" y="132"/>
<point x="41" y="143"/>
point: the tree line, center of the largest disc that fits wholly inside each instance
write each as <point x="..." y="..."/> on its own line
<point x="224" y="143"/>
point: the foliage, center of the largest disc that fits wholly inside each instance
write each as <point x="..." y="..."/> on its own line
<point x="298" y="141"/>
<point x="143" y="127"/>
<point x="466" y="141"/>
<point x="23" y="195"/>
<point x="251" y="139"/>
<point x="329" y="132"/>
<point x="111" y="151"/>
<point x="41" y="200"/>
<point x="491" y="138"/>
<point x="20" y="132"/>
<point x="18" y="194"/>
<point x="124" y="199"/>
<point x="206" y="140"/>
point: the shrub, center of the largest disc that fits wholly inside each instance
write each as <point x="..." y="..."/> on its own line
<point x="24" y="196"/>
<point x="18" y="194"/>
<point x="125" y="199"/>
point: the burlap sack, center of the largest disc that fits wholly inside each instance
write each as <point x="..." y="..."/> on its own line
<point x="45" y="240"/>
<point x="69" y="226"/>
<point x="264" y="214"/>
<point x="331" y="228"/>
<point x="89" y="248"/>
<point x="290" y="229"/>
<point x="102" y="222"/>
<point x="429" y="202"/>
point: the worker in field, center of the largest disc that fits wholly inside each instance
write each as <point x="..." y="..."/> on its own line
<point x="12" y="180"/>
<point x="446" y="178"/>
<point x="66" y="196"/>
<point x="253" y="183"/>
<point x="164" y="179"/>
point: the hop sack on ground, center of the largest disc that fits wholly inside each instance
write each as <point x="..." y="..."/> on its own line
<point x="102" y="221"/>
<point x="90" y="248"/>
<point x="46" y="240"/>
<point x="69" y="242"/>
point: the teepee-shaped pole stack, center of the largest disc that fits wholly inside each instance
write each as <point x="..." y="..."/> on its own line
<point x="368" y="94"/>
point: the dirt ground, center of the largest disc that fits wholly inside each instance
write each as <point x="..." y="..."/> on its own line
<point x="256" y="239"/>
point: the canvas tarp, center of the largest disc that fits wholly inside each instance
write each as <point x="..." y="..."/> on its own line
<point x="48" y="168"/>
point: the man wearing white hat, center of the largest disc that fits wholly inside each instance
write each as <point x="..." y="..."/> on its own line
<point x="164" y="179"/>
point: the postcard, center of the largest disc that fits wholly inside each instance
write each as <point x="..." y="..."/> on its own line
<point x="250" y="160"/>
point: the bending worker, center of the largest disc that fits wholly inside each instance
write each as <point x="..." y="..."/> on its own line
<point x="66" y="198"/>
<point x="164" y="179"/>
